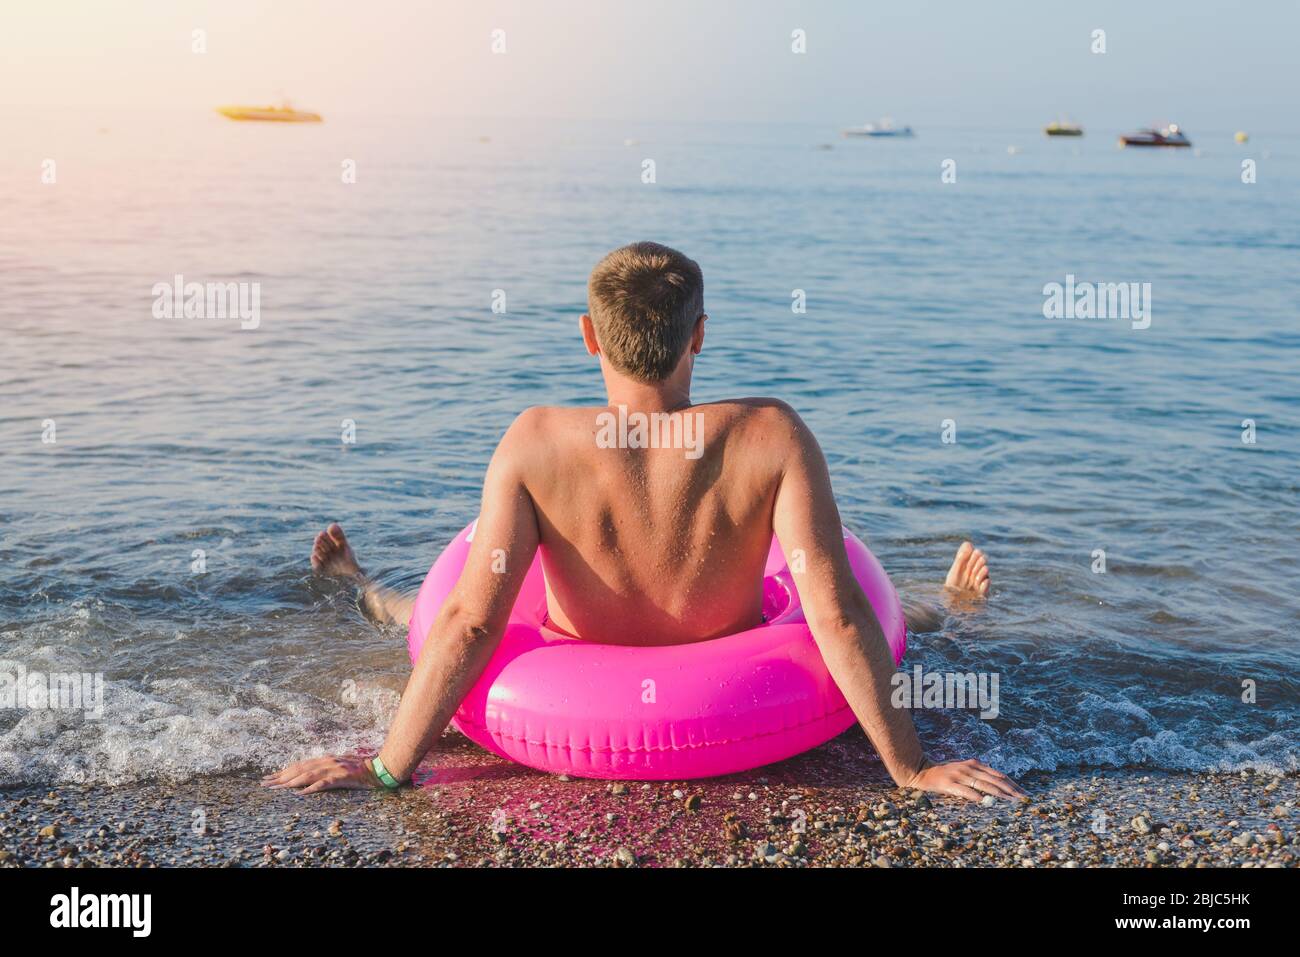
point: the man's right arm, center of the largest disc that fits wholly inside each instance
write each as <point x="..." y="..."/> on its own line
<point x="845" y="627"/>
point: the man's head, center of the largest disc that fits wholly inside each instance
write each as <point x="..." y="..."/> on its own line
<point x="645" y="301"/>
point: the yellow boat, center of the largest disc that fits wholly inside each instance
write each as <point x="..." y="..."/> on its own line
<point x="1063" y="128"/>
<point x="269" y="114"/>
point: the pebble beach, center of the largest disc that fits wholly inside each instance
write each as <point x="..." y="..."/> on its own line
<point x="833" y="807"/>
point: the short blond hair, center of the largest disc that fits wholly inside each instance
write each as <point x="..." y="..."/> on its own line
<point x="644" y="300"/>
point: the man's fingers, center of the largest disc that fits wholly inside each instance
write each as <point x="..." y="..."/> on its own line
<point x="278" y="776"/>
<point x="957" y="789"/>
<point x="1000" y="786"/>
<point x="309" y="781"/>
<point x="993" y="775"/>
<point x="317" y="774"/>
<point x="298" y="767"/>
<point x="988" y="770"/>
<point x="1005" y="781"/>
<point x="294" y="768"/>
<point x="992" y="786"/>
<point x="989" y="774"/>
<point x="297" y="781"/>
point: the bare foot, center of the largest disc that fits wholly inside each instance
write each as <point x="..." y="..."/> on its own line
<point x="332" y="555"/>
<point x="969" y="575"/>
<point x="964" y="589"/>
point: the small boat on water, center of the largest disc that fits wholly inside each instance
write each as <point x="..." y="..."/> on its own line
<point x="885" y="127"/>
<point x="1169" y="135"/>
<point x="269" y="114"/>
<point x="1063" y="128"/>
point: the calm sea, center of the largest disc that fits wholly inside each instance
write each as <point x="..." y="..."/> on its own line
<point x="161" y="479"/>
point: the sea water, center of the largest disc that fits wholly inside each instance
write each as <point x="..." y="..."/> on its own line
<point x="163" y="472"/>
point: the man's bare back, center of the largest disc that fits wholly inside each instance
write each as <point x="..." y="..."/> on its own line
<point x="649" y="542"/>
<point x="649" y="546"/>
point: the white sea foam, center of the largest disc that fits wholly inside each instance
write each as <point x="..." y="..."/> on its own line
<point x="175" y="729"/>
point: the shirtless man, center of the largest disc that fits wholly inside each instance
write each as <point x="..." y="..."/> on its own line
<point x="651" y="546"/>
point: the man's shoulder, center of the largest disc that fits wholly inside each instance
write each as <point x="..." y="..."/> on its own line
<point x="762" y="406"/>
<point x="544" y="425"/>
<point x="774" y="425"/>
<point x="761" y="412"/>
<point x="537" y="419"/>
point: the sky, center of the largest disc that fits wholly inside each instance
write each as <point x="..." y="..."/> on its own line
<point x="999" y="64"/>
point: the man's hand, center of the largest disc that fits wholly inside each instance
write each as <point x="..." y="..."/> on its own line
<point x="966" y="779"/>
<point x="325" y="774"/>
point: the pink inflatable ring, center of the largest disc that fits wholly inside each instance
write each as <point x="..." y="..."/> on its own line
<point x="564" y="705"/>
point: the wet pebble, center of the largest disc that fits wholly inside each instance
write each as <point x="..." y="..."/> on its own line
<point x="624" y="857"/>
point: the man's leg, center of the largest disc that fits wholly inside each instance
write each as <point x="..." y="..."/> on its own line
<point x="332" y="555"/>
<point x="967" y="582"/>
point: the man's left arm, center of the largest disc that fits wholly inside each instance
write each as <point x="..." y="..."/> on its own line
<point x="463" y="636"/>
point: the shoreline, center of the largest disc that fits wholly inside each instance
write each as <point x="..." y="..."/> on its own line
<point x="827" y="808"/>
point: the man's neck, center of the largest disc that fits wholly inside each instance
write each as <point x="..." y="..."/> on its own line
<point x="671" y="395"/>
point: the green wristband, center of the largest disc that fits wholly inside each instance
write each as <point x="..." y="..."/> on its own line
<point x="381" y="772"/>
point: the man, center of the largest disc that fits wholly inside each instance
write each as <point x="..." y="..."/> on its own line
<point x="650" y="542"/>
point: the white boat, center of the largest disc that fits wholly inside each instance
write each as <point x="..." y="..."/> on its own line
<point x="1169" y="135"/>
<point x="885" y="127"/>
